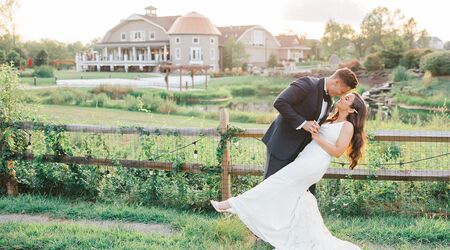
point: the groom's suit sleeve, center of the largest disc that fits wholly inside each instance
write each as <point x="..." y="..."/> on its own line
<point x="293" y="95"/>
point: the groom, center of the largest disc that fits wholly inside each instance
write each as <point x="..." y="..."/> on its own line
<point x="303" y="106"/>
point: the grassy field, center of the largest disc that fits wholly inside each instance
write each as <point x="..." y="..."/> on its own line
<point x="66" y="74"/>
<point x="103" y="116"/>
<point x="193" y="230"/>
<point x="415" y="92"/>
<point x="84" y="115"/>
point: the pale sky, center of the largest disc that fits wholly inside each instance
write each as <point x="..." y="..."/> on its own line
<point x="84" y="20"/>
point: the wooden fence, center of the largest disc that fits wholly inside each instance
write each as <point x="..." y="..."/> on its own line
<point x="227" y="168"/>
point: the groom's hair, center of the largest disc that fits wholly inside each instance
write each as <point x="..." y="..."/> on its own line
<point x="347" y="76"/>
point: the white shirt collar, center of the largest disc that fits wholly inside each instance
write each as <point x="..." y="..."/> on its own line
<point x="325" y="85"/>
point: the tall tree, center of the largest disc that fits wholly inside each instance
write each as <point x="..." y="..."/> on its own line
<point x="336" y="38"/>
<point x="41" y="58"/>
<point x="234" y="54"/>
<point x="7" y="18"/>
<point x="379" y="24"/>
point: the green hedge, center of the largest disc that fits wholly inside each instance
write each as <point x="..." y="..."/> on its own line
<point x="43" y="71"/>
<point x="373" y="62"/>
<point x="411" y="58"/>
<point x="438" y="63"/>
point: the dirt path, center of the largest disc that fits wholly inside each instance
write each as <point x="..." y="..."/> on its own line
<point x="105" y="224"/>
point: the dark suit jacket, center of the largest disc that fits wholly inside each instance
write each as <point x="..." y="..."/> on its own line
<point x="301" y="101"/>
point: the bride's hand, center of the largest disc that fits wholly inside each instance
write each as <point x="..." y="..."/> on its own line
<point x="314" y="135"/>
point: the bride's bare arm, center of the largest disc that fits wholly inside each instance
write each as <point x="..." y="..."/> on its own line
<point x="341" y="144"/>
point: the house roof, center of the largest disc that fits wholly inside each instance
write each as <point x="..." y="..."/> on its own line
<point x="232" y="31"/>
<point x="291" y="41"/>
<point x="164" y="21"/>
<point x="193" y="23"/>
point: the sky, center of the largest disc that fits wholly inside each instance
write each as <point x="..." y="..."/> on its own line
<point x="85" y="20"/>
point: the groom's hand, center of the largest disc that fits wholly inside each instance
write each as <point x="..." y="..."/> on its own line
<point x="312" y="127"/>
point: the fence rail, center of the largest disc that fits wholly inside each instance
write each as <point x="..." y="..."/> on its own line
<point x="229" y="169"/>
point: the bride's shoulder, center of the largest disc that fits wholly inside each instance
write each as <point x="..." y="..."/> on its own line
<point x="347" y="126"/>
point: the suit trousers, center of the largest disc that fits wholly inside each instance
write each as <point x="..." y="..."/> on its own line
<point x="273" y="165"/>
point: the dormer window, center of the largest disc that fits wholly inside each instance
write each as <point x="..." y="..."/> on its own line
<point x="123" y="36"/>
<point x="137" y="35"/>
<point x="258" y="37"/>
<point x="195" y="40"/>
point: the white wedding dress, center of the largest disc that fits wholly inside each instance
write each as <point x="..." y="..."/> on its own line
<point x="282" y="212"/>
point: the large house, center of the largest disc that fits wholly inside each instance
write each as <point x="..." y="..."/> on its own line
<point x="144" y="42"/>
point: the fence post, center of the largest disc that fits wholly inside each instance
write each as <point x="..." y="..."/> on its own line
<point x="226" y="159"/>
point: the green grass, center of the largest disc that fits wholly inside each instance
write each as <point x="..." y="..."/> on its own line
<point x="414" y="92"/>
<point x="103" y="116"/>
<point x="67" y="74"/>
<point x="192" y="230"/>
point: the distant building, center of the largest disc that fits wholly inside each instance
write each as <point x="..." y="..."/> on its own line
<point x="291" y="48"/>
<point x="144" y="42"/>
<point x="436" y="43"/>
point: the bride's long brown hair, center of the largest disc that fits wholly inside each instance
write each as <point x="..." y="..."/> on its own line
<point x="358" y="119"/>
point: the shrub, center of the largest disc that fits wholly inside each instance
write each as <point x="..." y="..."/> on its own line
<point x="152" y="102"/>
<point x="354" y="65"/>
<point x="243" y="91"/>
<point x="14" y="58"/>
<point x="43" y="71"/>
<point x="2" y="56"/>
<point x="101" y="100"/>
<point x="393" y="52"/>
<point x="41" y="58"/>
<point x="400" y="74"/>
<point x="373" y="62"/>
<point x="114" y="92"/>
<point x="438" y="63"/>
<point x="427" y="78"/>
<point x="411" y="58"/>
<point x="169" y="106"/>
<point x="26" y="73"/>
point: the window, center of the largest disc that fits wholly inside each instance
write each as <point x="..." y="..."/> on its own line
<point x="177" y="54"/>
<point x="177" y="40"/>
<point x="258" y="37"/>
<point x="196" y="54"/>
<point x="212" y="40"/>
<point x="212" y="54"/>
<point x="195" y="40"/>
<point x="123" y="36"/>
<point x="137" y="35"/>
<point x="151" y="35"/>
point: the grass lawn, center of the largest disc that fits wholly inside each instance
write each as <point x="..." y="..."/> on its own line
<point x="414" y="92"/>
<point x="66" y="74"/>
<point x="103" y="116"/>
<point x="192" y="230"/>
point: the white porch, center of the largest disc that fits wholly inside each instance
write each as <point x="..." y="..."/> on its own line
<point x="123" y="56"/>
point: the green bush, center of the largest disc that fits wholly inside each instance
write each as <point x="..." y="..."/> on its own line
<point x="243" y="91"/>
<point x="43" y="71"/>
<point x="438" y="63"/>
<point x="411" y="58"/>
<point x="114" y="92"/>
<point x="373" y="62"/>
<point x="152" y="102"/>
<point x="101" y="100"/>
<point x="14" y="58"/>
<point x="400" y="74"/>
<point x="2" y="56"/>
<point x="393" y="52"/>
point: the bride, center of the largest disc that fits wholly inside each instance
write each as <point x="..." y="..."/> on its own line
<point x="280" y="210"/>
